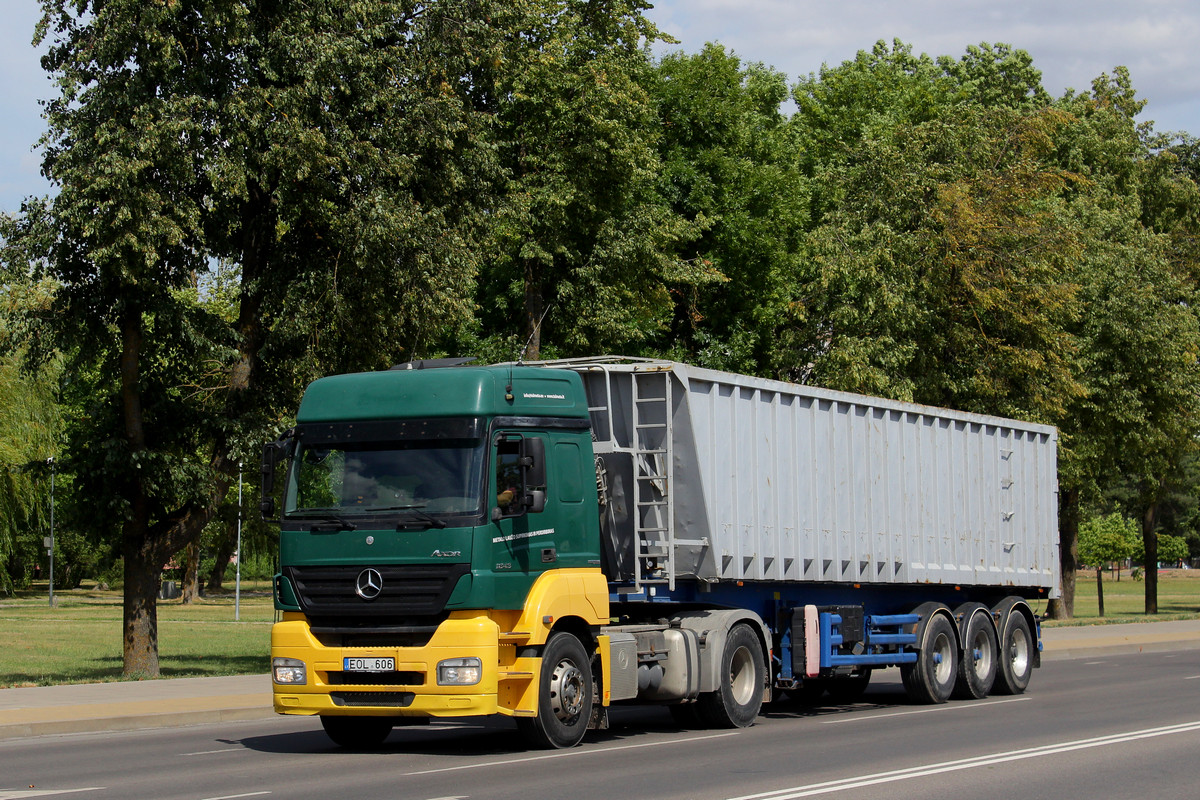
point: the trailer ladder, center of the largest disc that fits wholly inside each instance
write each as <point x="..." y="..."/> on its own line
<point x="654" y="518"/>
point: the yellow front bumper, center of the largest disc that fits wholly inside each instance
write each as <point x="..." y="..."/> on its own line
<point x="416" y="693"/>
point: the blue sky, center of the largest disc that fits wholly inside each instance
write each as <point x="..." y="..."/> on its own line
<point x="1071" y="41"/>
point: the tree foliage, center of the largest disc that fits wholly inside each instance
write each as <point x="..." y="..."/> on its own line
<point x="730" y="168"/>
<point x="1103" y="540"/>
<point x="582" y="246"/>
<point x="30" y="427"/>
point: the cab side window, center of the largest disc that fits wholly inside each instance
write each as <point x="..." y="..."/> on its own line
<point x="520" y="475"/>
<point x="509" y="477"/>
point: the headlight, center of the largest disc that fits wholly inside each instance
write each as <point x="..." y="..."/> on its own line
<point x="459" y="672"/>
<point x="289" y="671"/>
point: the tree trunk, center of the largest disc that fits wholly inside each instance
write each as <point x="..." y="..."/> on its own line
<point x="143" y="565"/>
<point x="191" y="574"/>
<point x="225" y="548"/>
<point x="146" y="543"/>
<point x="145" y="546"/>
<point x="1150" y="563"/>
<point x="1068" y="537"/>
<point x="534" y="308"/>
<point x="143" y="578"/>
<point x="1100" y="588"/>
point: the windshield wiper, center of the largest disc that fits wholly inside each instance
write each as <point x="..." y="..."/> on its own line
<point x="415" y="508"/>
<point x="329" y="521"/>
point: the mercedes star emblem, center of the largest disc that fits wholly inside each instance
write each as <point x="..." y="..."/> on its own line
<point x="369" y="584"/>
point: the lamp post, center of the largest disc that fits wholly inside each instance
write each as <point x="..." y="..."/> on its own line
<point x="237" y="586"/>
<point x="50" y="543"/>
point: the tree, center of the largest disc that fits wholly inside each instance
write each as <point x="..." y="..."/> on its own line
<point x="1173" y="549"/>
<point x="30" y="427"/>
<point x="582" y="244"/>
<point x="730" y="166"/>
<point x="934" y="273"/>
<point x="1140" y="336"/>
<point x="330" y="150"/>
<point x="1103" y="540"/>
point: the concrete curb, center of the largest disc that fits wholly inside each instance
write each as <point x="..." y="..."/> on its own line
<point x="1090" y="641"/>
<point x="132" y="705"/>
<point x="130" y="722"/>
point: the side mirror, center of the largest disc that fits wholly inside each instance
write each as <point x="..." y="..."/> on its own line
<point x="534" y="451"/>
<point x="274" y="453"/>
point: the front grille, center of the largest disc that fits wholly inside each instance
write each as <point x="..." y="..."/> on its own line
<point x="375" y="678"/>
<point x="390" y="699"/>
<point x="373" y="633"/>
<point x="408" y="590"/>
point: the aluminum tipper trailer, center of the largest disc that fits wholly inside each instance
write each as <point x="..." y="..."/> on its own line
<point x="745" y="538"/>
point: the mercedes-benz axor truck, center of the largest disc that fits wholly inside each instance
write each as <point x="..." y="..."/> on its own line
<point x="545" y="540"/>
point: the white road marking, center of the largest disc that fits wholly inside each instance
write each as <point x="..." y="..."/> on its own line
<point x="953" y="707"/>
<point x="21" y="794"/>
<point x="571" y="754"/>
<point x="210" y="752"/>
<point x="235" y="796"/>
<point x="829" y="787"/>
<point x="1192" y="677"/>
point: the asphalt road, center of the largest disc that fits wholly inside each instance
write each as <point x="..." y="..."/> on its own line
<point x="1123" y="726"/>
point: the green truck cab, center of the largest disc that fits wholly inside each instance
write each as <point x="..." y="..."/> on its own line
<point x="421" y="509"/>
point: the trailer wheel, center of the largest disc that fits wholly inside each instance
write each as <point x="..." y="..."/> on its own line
<point x="357" y="733"/>
<point x="931" y="678"/>
<point x="737" y="701"/>
<point x="564" y="695"/>
<point x="1016" y="655"/>
<point x="977" y="662"/>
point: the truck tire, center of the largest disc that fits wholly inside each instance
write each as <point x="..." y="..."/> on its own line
<point x="1016" y="655"/>
<point x="977" y="662"/>
<point x="357" y="733"/>
<point x="564" y="695"/>
<point x="738" y="699"/>
<point x="931" y="678"/>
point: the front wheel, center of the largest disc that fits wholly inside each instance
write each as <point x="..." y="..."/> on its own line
<point x="564" y="695"/>
<point x="357" y="733"/>
<point x="738" y="699"/>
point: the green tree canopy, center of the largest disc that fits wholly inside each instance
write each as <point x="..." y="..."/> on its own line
<point x="730" y="167"/>
<point x="1102" y="540"/>
<point x="582" y="247"/>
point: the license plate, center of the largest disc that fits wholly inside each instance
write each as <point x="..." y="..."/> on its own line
<point x="369" y="664"/>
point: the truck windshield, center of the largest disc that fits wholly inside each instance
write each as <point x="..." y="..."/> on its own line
<point x="440" y="478"/>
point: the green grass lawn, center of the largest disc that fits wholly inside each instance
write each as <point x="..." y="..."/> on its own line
<point x="1125" y="599"/>
<point x="79" y="640"/>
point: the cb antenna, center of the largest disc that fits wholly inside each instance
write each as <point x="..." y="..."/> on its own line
<point x="532" y="333"/>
